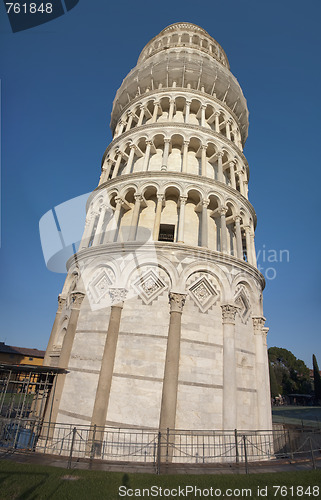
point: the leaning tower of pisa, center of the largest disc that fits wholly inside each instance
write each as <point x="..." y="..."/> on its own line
<point x="160" y="322"/>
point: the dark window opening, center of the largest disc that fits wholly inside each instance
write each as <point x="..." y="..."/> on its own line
<point x="166" y="232"/>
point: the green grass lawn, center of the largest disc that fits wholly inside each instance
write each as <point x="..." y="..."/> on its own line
<point x="31" y="482"/>
<point x="308" y="415"/>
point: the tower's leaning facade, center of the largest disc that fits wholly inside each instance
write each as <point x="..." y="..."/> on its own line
<point x="160" y="321"/>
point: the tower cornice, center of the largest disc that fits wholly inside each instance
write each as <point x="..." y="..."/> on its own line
<point x="196" y="253"/>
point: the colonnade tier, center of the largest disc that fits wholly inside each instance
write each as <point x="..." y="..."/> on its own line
<point x="180" y="107"/>
<point x="185" y="69"/>
<point x="177" y="35"/>
<point x="173" y="149"/>
<point x="170" y="215"/>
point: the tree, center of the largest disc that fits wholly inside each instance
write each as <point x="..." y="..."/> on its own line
<point x="317" y="379"/>
<point x="291" y="374"/>
<point x="275" y="387"/>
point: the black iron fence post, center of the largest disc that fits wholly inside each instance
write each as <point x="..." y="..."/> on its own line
<point x="245" y="455"/>
<point x="237" y="458"/>
<point x="312" y="454"/>
<point x="72" y="446"/>
<point x="158" y="452"/>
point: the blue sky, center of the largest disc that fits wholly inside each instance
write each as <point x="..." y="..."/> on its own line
<point x="58" y="83"/>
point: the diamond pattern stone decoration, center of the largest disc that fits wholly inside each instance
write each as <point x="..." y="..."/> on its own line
<point x="203" y="293"/>
<point x="100" y="284"/>
<point x="243" y="303"/>
<point x="149" y="286"/>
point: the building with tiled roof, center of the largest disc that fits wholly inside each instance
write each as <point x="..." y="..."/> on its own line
<point x="20" y="355"/>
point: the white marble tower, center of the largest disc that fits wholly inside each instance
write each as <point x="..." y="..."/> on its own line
<point x="160" y="321"/>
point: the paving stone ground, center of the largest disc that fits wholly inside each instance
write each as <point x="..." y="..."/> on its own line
<point x="266" y="466"/>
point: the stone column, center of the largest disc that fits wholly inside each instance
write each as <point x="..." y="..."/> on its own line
<point x="130" y="159"/>
<point x="229" y="368"/>
<point x="217" y="122"/>
<point x="171" y="109"/>
<point x="204" y="223"/>
<point x="203" y="160"/>
<point x="158" y="214"/>
<point x="220" y="166"/>
<point x="147" y="154"/>
<point x="117" y="165"/>
<point x="203" y="108"/>
<point x="102" y="175"/>
<point x="170" y="383"/>
<point x="118" y="295"/>
<point x="141" y="116"/>
<point x="84" y="242"/>
<point x="155" y="112"/>
<point x="111" y="235"/>
<point x="185" y="157"/>
<point x="181" y="219"/>
<point x="52" y="339"/>
<point x="130" y="120"/>
<point x="241" y="179"/>
<point x="232" y="174"/>
<point x="108" y="169"/>
<point x="246" y="188"/>
<point x="98" y="234"/>
<point x="222" y="211"/>
<point x="89" y="226"/>
<point x="262" y="374"/>
<point x="54" y="400"/>
<point x="121" y="128"/>
<point x="253" y="251"/>
<point x="248" y="245"/>
<point x="187" y="110"/>
<point x="134" y="221"/>
<point x="165" y="154"/>
<point x="239" y="140"/>
<point x="228" y="130"/>
<point x="239" y="246"/>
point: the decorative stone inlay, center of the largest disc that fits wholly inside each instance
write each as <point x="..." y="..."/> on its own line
<point x="243" y="303"/>
<point x="203" y="293"/>
<point x="228" y="313"/>
<point x="176" y="301"/>
<point x="99" y="286"/>
<point x="149" y="286"/>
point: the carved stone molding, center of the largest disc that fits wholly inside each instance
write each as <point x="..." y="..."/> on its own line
<point x="76" y="299"/>
<point x="118" y="295"/>
<point x="228" y="313"/>
<point x="176" y="301"/>
<point x="61" y="303"/>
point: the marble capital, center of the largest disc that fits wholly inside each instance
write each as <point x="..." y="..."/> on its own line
<point x="117" y="295"/>
<point x="176" y="301"/>
<point x="258" y="324"/>
<point x="228" y="313"/>
<point x="76" y="299"/>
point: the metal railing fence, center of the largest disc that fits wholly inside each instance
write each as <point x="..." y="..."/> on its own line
<point x="156" y="448"/>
